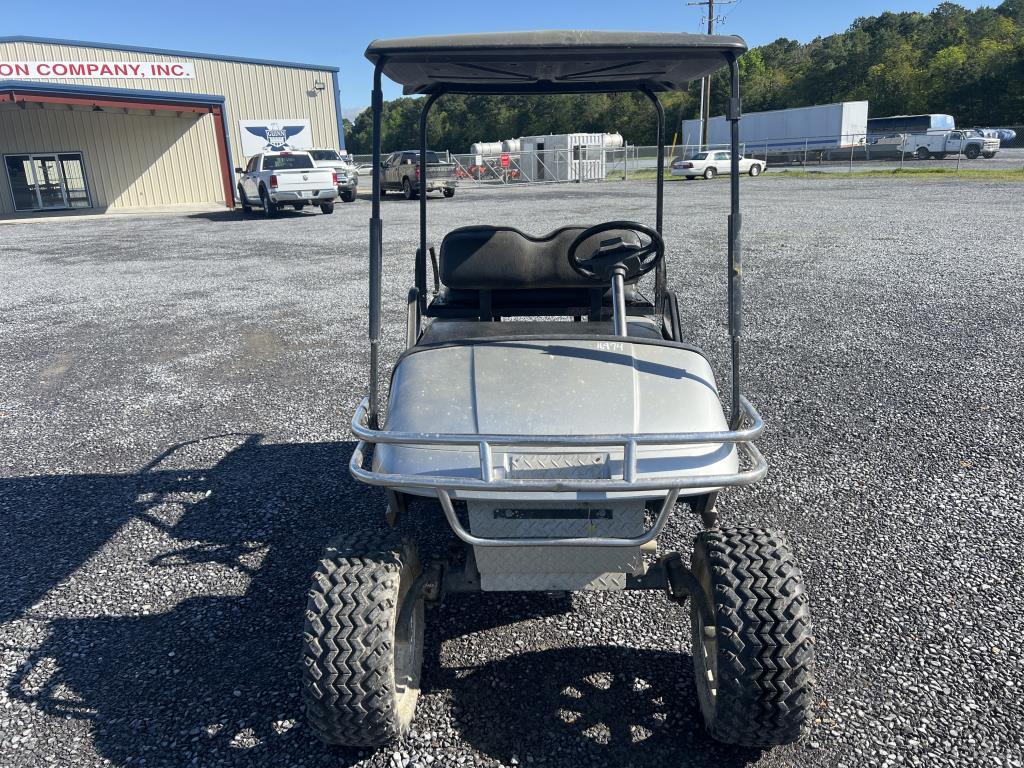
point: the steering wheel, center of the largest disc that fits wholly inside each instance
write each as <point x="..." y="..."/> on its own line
<point x="613" y="253"/>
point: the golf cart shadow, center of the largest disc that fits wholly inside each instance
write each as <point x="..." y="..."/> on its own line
<point x="591" y="705"/>
<point x="169" y="605"/>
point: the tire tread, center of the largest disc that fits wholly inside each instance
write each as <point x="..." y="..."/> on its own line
<point x="349" y="677"/>
<point x="765" y="639"/>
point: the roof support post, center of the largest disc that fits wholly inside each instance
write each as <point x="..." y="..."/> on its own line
<point x="376" y="241"/>
<point x="421" y="252"/>
<point x="735" y="250"/>
<point x="661" y="272"/>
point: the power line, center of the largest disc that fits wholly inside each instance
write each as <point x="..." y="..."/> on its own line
<point x="705" y="90"/>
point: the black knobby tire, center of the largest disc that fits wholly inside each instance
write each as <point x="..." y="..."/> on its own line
<point x="327" y="207"/>
<point x="710" y="173"/>
<point x="972" y="152"/>
<point x="755" y="671"/>
<point x="449" y="192"/>
<point x="348" y="196"/>
<point x="360" y="686"/>
<point x="407" y="189"/>
<point x="922" y="153"/>
<point x="269" y="207"/>
<point x="244" y="198"/>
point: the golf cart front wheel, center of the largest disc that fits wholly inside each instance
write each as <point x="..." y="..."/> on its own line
<point x="755" y="667"/>
<point x="362" y="677"/>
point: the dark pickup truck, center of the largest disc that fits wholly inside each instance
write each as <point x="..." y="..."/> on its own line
<point x="400" y="173"/>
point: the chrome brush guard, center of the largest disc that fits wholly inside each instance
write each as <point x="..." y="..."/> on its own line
<point x="628" y="478"/>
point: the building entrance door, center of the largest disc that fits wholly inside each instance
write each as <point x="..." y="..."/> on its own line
<point x="45" y="182"/>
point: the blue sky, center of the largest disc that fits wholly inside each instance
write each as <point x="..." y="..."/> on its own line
<point x="337" y="33"/>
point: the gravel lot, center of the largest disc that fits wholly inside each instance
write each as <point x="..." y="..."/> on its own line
<point x="174" y="408"/>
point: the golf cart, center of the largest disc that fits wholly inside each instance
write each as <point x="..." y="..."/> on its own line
<point x="556" y="449"/>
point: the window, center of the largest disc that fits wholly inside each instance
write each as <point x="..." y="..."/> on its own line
<point x="324" y="154"/>
<point x="287" y="162"/>
<point x="53" y="181"/>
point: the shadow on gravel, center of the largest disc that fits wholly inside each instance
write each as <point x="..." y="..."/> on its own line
<point x="235" y="215"/>
<point x="215" y="678"/>
<point x="597" y="706"/>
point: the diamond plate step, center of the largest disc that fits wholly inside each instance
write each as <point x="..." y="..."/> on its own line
<point x="557" y="568"/>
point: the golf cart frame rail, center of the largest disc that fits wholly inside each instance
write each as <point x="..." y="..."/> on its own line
<point x="526" y="49"/>
<point x="629" y="443"/>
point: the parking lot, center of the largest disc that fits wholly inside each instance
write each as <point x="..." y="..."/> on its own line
<point x="176" y="392"/>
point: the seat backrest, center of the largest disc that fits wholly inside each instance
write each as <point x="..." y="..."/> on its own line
<point x="498" y="258"/>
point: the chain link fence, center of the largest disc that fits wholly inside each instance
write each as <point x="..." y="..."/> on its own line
<point x="941" y="152"/>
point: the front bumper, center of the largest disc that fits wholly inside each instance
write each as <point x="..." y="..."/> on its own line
<point x="304" y="196"/>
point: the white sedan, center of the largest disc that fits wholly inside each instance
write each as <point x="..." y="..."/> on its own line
<point x="710" y="164"/>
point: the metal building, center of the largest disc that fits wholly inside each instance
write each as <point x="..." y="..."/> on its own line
<point x="106" y="127"/>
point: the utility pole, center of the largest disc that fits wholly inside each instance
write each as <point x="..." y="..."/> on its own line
<point x="705" y="83"/>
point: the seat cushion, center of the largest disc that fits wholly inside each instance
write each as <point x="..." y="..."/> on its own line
<point x="494" y="258"/>
<point x="448" y="331"/>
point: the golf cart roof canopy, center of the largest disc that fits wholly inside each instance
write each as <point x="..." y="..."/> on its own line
<point x="560" y="61"/>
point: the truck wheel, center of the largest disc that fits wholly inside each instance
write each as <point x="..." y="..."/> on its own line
<point x="922" y="153"/>
<point x="449" y="192"/>
<point x="348" y="196"/>
<point x="298" y="206"/>
<point x="269" y="207"/>
<point x="246" y="205"/>
<point x="972" y="152"/>
<point x="755" y="170"/>
<point x="407" y="189"/>
<point x="754" y="668"/>
<point x="360" y="682"/>
<point x="327" y="207"/>
<point x="710" y="173"/>
<point x="988" y="155"/>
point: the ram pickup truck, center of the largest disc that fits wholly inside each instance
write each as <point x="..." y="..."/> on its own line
<point x="400" y="173"/>
<point x="274" y="179"/>
<point x="348" y="176"/>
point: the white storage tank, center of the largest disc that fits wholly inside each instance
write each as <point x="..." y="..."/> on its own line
<point x="613" y="141"/>
<point x="486" y="148"/>
<point x="512" y="146"/>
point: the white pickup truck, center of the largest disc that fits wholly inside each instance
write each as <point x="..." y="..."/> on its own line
<point x="273" y="179"/>
<point x="938" y="144"/>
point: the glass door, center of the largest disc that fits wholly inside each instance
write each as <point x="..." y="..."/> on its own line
<point x="46" y="182"/>
<point x="49" y="182"/>
<point x="75" y="190"/>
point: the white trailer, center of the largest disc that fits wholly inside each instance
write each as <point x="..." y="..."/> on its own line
<point x="566" y="156"/>
<point x="789" y="132"/>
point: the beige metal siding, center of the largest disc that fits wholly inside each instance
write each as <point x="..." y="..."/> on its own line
<point x="251" y="91"/>
<point x="131" y="160"/>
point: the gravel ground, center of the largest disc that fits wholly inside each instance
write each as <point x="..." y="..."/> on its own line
<point x="175" y="395"/>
